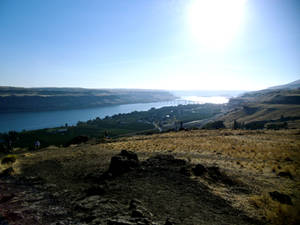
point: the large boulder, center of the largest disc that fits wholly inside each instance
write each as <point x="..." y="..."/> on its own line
<point x="123" y="162"/>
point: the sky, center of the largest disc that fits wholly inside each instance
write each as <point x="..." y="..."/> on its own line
<point x="151" y="44"/>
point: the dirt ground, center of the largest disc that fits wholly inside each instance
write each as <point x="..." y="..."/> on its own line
<point x="242" y="171"/>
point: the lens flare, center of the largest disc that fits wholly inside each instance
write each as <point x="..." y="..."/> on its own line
<point x="215" y="23"/>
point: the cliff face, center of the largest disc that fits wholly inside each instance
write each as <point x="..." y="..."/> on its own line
<point x="44" y="99"/>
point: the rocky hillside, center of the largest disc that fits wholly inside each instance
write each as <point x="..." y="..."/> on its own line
<point x="188" y="177"/>
<point x="267" y="106"/>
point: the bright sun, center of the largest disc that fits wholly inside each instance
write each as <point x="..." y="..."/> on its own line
<point x="214" y="23"/>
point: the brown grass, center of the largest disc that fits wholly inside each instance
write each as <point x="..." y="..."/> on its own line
<point x="253" y="157"/>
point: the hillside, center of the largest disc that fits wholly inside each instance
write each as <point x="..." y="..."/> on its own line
<point x="189" y="177"/>
<point x="43" y="99"/>
<point x="292" y="85"/>
<point x="267" y="107"/>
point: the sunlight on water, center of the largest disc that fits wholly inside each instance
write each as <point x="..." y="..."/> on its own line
<point x="203" y="100"/>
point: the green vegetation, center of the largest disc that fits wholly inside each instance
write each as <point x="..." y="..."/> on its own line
<point x="151" y="121"/>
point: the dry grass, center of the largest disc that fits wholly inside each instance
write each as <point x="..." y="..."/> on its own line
<point x="253" y="157"/>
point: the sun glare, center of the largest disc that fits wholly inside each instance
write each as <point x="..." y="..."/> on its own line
<point x="215" y="23"/>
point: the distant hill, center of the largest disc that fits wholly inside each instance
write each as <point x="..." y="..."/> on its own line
<point x="292" y="85"/>
<point x="15" y="99"/>
<point x="280" y="103"/>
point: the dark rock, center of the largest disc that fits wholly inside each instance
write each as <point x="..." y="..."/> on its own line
<point x="214" y="172"/>
<point x="134" y="203"/>
<point x="123" y="162"/>
<point x="6" y="197"/>
<point x="288" y="159"/>
<point x="95" y="190"/>
<point x="7" y="160"/>
<point x="164" y="160"/>
<point x="199" y="170"/>
<point x="185" y="171"/>
<point x="129" y="155"/>
<point x="33" y="180"/>
<point x="285" y="174"/>
<point x="168" y="222"/>
<point x="3" y="221"/>
<point x="7" y="172"/>
<point x="119" y="222"/>
<point x="282" y="198"/>
<point x="137" y="213"/>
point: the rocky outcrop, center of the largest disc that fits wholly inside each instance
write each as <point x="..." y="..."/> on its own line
<point x="123" y="162"/>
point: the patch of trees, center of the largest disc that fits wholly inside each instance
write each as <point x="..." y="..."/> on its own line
<point x="214" y="125"/>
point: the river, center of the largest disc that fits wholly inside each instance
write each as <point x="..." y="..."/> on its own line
<point x="37" y="120"/>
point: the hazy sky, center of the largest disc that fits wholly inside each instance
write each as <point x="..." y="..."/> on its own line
<point x="157" y="44"/>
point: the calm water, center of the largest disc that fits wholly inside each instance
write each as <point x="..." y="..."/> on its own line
<point x="39" y="120"/>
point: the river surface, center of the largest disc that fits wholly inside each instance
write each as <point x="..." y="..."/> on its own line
<point x="38" y="120"/>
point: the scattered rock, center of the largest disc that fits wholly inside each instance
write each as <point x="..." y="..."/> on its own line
<point x="34" y="180"/>
<point x="88" y="203"/>
<point x="95" y="190"/>
<point x="119" y="222"/>
<point x="285" y="174"/>
<point x="185" y="171"/>
<point x="214" y="172"/>
<point x="3" y="221"/>
<point x="288" y="159"/>
<point x="161" y="161"/>
<point x="123" y="162"/>
<point x="6" y="197"/>
<point x="7" y="172"/>
<point x="8" y="159"/>
<point x="168" y="222"/>
<point x="137" y="213"/>
<point x="282" y="198"/>
<point x="134" y="203"/>
<point x="199" y="170"/>
<point x="129" y="155"/>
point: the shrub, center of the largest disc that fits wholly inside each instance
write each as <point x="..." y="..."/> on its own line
<point x="214" y="125"/>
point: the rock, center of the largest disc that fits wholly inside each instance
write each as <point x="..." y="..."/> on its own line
<point x="137" y="213"/>
<point x="95" y="190"/>
<point x="199" y="170"/>
<point x="88" y="203"/>
<point x="119" y="222"/>
<point x="34" y="180"/>
<point x="185" y="171"/>
<point x="168" y="222"/>
<point x="285" y="174"/>
<point x="282" y="198"/>
<point x="123" y="162"/>
<point x="8" y="159"/>
<point x="3" y="221"/>
<point x="6" y="197"/>
<point x="288" y="159"/>
<point x="161" y="161"/>
<point x="129" y="155"/>
<point x="134" y="203"/>
<point x="214" y="172"/>
<point x="7" y="172"/>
